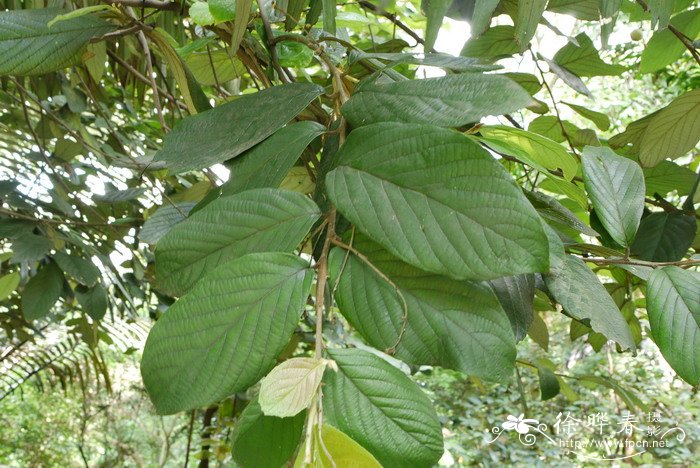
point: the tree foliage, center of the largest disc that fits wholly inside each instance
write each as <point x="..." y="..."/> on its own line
<point x="242" y="172"/>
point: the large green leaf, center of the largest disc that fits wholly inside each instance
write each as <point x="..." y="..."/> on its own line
<point x="529" y="16"/>
<point x="481" y="17"/>
<point x="381" y="408"/>
<point x="225" y="334"/>
<point x="454" y="324"/>
<point x="673" y="304"/>
<point x="266" y="164"/>
<point x="664" y="47"/>
<point x="583" y="59"/>
<point x="259" y="220"/>
<point x="536" y="150"/>
<point x="601" y="120"/>
<point x="92" y="300"/>
<point x="616" y="187"/>
<point x="28" y="46"/>
<point x="164" y="218"/>
<point x="449" y="101"/>
<point x="224" y="132"/>
<point x="80" y="269"/>
<point x="664" y="237"/>
<point x="582" y="296"/>
<point x="497" y="42"/>
<point x="580" y="9"/>
<point x="516" y="295"/>
<point x="438" y="201"/>
<point x="435" y="11"/>
<point x="672" y="132"/>
<point x="42" y="291"/>
<point x="668" y="176"/>
<point x="260" y="440"/>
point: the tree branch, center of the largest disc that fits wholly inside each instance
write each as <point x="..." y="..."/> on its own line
<point x="679" y="34"/>
<point x="155" y="4"/>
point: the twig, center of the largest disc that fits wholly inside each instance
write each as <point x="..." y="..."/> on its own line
<point x="271" y="42"/>
<point x="156" y="4"/>
<point x="629" y="261"/>
<point x="394" y="19"/>
<point x="154" y="85"/>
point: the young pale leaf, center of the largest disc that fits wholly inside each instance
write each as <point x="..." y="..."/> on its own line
<point x="260" y="440"/>
<point x="289" y="388"/>
<point x="335" y="450"/>
<point x="8" y="284"/>
<point x="80" y="269"/>
<point x="516" y="293"/>
<point x="259" y="220"/>
<point x="582" y="296"/>
<point x="449" y="101"/>
<point x="266" y="164"/>
<point x="28" y="46"/>
<point x="583" y="59"/>
<point x="672" y="132"/>
<point x="438" y="201"/>
<point x="222" y="10"/>
<point x="453" y="324"/>
<point x="225" y="334"/>
<point x="381" y="408"/>
<point x="616" y="187"/>
<point x="42" y="291"/>
<point x="673" y="304"/>
<point x="225" y="132"/>
<point x="664" y="237"/>
<point x="529" y="16"/>
<point x="536" y="150"/>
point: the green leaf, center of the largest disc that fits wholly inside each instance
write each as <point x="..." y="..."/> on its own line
<point x="453" y="324"/>
<point x="445" y="61"/>
<point x="29" y="248"/>
<point x="583" y="60"/>
<point x="337" y="450"/>
<point x="497" y="42"/>
<point x="672" y="132"/>
<point x="529" y="16"/>
<point x="609" y="8"/>
<point x="201" y="14"/>
<point x="80" y="12"/>
<point x="664" y="47"/>
<point x="673" y="304"/>
<point x="240" y="23"/>
<point x="601" y="120"/>
<point x="580" y="9"/>
<point x="226" y="131"/>
<point x="538" y="332"/>
<point x="449" y="101"/>
<point x="616" y="187"/>
<point x="260" y="440"/>
<point x="80" y="269"/>
<point x="536" y="150"/>
<point x="516" y="293"/>
<point x="528" y="81"/>
<point x="438" y="201"/>
<point x="28" y="46"/>
<point x="291" y="386"/>
<point x="570" y="79"/>
<point x="164" y="218"/>
<point x="660" y="12"/>
<point x="266" y="164"/>
<point x="259" y="220"/>
<point x="225" y="334"/>
<point x="8" y="284"/>
<point x="214" y="67"/>
<point x="481" y="18"/>
<point x="329" y="13"/>
<point x="381" y="408"/>
<point x="668" y="176"/>
<point x="664" y="237"/>
<point x="435" y="11"/>
<point x="552" y="211"/>
<point x="549" y="384"/>
<point x="42" y="291"/>
<point x="294" y="9"/>
<point x="222" y="10"/>
<point x="93" y="300"/>
<point x="581" y="294"/>
<point x="294" y="54"/>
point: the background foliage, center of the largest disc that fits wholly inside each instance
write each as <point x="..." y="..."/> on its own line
<point x="273" y="166"/>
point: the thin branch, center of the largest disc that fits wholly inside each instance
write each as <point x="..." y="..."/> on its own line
<point x="154" y="86"/>
<point x="271" y="42"/>
<point x="635" y="262"/>
<point x="156" y="4"/>
<point x="394" y="19"/>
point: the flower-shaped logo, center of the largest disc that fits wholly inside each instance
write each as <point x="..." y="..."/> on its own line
<point x="520" y="424"/>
